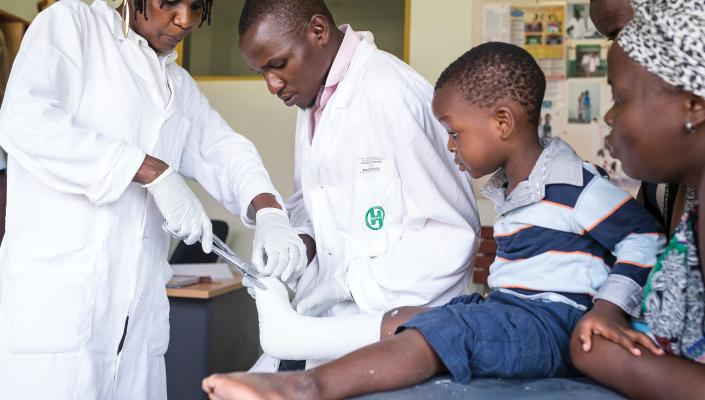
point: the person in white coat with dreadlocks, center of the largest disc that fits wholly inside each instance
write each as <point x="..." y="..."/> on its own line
<point x="99" y="123"/>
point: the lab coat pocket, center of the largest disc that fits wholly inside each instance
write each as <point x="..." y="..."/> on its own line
<point x="379" y="211"/>
<point x="47" y="302"/>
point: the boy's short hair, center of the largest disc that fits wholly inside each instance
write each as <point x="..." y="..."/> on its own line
<point x="289" y="14"/>
<point x="494" y="71"/>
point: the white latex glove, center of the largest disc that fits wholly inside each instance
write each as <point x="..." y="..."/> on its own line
<point x="252" y="289"/>
<point x="324" y="296"/>
<point x="181" y="209"/>
<point x="284" y="250"/>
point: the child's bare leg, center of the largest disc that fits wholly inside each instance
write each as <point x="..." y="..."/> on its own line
<point x="646" y="377"/>
<point x="380" y="366"/>
<point x="377" y="367"/>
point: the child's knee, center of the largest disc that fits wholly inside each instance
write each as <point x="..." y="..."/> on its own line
<point x="394" y="318"/>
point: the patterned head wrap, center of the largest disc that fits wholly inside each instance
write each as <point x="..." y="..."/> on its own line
<point x="667" y="37"/>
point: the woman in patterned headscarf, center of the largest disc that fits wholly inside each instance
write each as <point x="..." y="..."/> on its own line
<point x="657" y="74"/>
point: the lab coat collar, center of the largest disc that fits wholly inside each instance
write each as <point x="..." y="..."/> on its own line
<point x="558" y="164"/>
<point x="114" y="20"/>
<point x="343" y="58"/>
<point x="348" y="85"/>
<point x="341" y="99"/>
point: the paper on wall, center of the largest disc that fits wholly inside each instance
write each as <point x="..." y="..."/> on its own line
<point x="496" y="27"/>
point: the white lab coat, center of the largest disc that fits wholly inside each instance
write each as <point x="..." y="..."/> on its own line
<point x="378" y="144"/>
<point x="84" y="246"/>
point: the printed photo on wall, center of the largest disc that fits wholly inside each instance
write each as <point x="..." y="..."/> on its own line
<point x="546" y="124"/>
<point x="540" y="29"/>
<point x="583" y="101"/>
<point x="553" y="120"/>
<point x="579" y="26"/>
<point x="587" y="61"/>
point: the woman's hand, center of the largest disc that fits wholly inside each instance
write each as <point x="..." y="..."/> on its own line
<point x="183" y="212"/>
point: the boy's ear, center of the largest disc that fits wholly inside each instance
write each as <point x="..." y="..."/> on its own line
<point x="504" y="118"/>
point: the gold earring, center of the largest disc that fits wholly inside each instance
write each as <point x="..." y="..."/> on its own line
<point x="125" y="18"/>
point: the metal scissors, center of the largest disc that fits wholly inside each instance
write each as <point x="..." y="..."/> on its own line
<point x="222" y="249"/>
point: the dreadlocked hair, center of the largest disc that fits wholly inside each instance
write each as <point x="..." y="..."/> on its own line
<point x="494" y="71"/>
<point x="207" y="8"/>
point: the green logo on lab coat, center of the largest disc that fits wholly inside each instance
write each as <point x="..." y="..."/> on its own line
<point x="374" y="219"/>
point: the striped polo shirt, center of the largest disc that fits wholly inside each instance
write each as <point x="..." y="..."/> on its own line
<point x="567" y="234"/>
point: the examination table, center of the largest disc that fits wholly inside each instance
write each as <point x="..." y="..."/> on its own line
<point x="501" y="389"/>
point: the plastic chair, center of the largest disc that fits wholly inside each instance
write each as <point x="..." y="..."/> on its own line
<point x="193" y="254"/>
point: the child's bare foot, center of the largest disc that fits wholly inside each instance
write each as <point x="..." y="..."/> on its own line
<point x="244" y="386"/>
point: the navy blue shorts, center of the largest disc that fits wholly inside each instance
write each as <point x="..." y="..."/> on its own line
<point x="502" y="336"/>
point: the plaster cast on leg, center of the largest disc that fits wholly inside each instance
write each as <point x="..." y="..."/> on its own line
<point x="287" y="335"/>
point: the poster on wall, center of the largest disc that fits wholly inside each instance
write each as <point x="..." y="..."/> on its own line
<point x="579" y="25"/>
<point x="553" y="119"/>
<point x="588" y="59"/>
<point x="584" y="98"/>
<point x="573" y="55"/>
<point x="540" y="30"/>
<point x="496" y="23"/>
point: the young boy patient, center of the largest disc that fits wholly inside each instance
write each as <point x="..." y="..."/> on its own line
<point x="567" y="238"/>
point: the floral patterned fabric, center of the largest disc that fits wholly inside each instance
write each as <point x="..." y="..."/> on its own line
<point x="674" y="296"/>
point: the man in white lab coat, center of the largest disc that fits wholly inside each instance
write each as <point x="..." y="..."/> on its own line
<point x="98" y="121"/>
<point x="394" y="221"/>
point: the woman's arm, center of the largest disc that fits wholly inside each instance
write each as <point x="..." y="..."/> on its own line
<point x="701" y="226"/>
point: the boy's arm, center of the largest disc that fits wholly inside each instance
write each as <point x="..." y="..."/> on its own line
<point x="620" y="224"/>
<point x="615" y="220"/>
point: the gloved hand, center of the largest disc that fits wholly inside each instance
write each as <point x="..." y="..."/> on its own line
<point x="183" y="213"/>
<point x="252" y="289"/>
<point x="324" y="296"/>
<point x="285" y="251"/>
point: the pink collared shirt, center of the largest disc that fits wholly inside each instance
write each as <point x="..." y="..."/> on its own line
<point x="337" y="72"/>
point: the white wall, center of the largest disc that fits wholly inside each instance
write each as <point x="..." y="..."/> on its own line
<point x="252" y="111"/>
<point x="441" y="31"/>
<point x="25" y="9"/>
